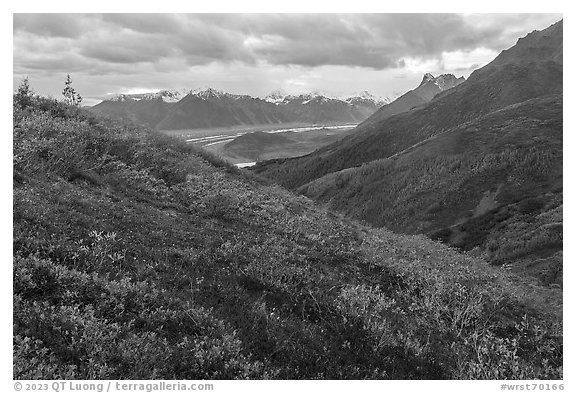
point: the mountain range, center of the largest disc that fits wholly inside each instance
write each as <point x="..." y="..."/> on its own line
<point x="211" y="108"/>
<point x="479" y="166"/>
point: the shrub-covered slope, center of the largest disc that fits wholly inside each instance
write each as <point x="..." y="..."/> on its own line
<point x="136" y="257"/>
<point x="482" y="184"/>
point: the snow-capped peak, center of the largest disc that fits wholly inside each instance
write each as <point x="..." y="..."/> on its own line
<point x="165" y="95"/>
<point x="276" y="96"/>
<point x="171" y="95"/>
<point x="316" y="96"/>
<point x="365" y="95"/>
<point x="209" y="92"/>
<point x="279" y="97"/>
<point x="119" y="97"/>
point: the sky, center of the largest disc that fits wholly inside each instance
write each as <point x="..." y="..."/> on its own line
<point x="335" y="54"/>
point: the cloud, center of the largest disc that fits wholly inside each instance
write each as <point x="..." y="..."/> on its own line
<point x="127" y="47"/>
<point x="366" y="40"/>
<point x="147" y="23"/>
<point x="48" y="25"/>
<point x="248" y="51"/>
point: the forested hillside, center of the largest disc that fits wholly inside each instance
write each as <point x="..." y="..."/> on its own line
<point x="137" y="256"/>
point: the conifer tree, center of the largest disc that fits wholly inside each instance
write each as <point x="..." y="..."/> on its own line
<point x="24" y="94"/>
<point x="70" y="95"/>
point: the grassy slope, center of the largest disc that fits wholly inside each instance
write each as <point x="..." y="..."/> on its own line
<point x="136" y="256"/>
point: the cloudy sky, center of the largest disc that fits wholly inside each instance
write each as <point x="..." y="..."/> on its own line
<point x="337" y="54"/>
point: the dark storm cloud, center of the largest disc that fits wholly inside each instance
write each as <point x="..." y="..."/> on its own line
<point x="377" y="41"/>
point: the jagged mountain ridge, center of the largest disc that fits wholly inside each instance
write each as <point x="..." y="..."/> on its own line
<point x="164" y="95"/>
<point x="208" y="108"/>
<point x="426" y="91"/>
<point x="319" y="109"/>
<point x="280" y="97"/>
<point x="431" y="85"/>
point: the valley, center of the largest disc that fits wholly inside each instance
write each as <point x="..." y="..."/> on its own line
<point x="241" y="129"/>
<point x="241" y="145"/>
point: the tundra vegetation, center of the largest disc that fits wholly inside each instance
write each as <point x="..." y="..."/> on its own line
<point x="137" y="256"/>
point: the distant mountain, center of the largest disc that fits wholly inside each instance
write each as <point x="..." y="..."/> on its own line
<point x="182" y="109"/>
<point x="164" y="95"/>
<point x="319" y="109"/>
<point x="142" y="109"/>
<point x="479" y="166"/>
<point x="169" y="96"/>
<point x="276" y="96"/>
<point x="209" y="108"/>
<point x="366" y="103"/>
<point x="426" y="91"/>
<point x="365" y="96"/>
